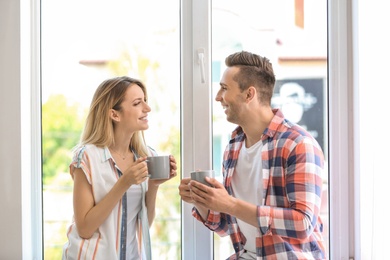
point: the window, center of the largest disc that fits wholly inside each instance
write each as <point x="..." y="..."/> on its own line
<point x="294" y="38"/>
<point x="78" y="53"/>
<point x="84" y="43"/>
<point x="340" y="106"/>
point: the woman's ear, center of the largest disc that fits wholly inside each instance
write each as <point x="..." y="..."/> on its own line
<point x="114" y="115"/>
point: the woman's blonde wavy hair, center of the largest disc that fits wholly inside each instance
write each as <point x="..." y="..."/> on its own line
<point x="99" y="127"/>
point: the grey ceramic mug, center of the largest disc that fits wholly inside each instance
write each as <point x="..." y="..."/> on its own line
<point x="201" y="174"/>
<point x="158" y="167"/>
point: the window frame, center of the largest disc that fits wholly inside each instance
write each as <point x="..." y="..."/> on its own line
<point x="196" y="114"/>
<point x="31" y="134"/>
<point x="342" y="217"/>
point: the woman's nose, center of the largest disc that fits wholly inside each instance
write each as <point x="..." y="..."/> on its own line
<point x="147" y="107"/>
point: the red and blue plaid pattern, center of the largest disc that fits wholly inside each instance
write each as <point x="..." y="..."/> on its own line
<point x="293" y="164"/>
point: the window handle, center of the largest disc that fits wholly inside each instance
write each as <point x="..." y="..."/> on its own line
<point x="201" y="64"/>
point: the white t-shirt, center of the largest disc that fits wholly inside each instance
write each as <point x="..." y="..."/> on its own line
<point x="134" y="198"/>
<point x="247" y="185"/>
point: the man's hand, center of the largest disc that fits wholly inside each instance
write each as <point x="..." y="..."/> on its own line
<point x="213" y="198"/>
<point x="184" y="190"/>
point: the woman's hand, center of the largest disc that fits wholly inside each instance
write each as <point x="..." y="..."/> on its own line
<point x="137" y="172"/>
<point x="172" y="172"/>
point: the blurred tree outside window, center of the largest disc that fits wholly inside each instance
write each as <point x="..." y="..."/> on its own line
<point x="80" y="49"/>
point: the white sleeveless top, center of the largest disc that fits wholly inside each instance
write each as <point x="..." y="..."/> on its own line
<point x="101" y="172"/>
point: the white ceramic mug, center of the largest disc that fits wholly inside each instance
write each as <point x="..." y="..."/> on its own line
<point x="201" y="174"/>
<point x="158" y="167"/>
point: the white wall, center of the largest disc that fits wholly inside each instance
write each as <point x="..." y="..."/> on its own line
<point x="372" y="141"/>
<point x="10" y="132"/>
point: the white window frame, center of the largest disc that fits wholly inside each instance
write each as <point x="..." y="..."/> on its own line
<point x="31" y="182"/>
<point x="196" y="120"/>
<point x="197" y="242"/>
<point x="341" y="137"/>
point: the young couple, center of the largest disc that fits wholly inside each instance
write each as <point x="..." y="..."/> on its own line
<point x="270" y="198"/>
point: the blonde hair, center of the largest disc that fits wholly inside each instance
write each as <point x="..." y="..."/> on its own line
<point x="99" y="127"/>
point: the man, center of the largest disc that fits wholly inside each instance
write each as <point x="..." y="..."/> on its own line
<point x="269" y="202"/>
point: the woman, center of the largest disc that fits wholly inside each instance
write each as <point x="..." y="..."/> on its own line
<point x="113" y="198"/>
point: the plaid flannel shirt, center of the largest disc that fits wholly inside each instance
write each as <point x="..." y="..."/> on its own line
<point x="288" y="219"/>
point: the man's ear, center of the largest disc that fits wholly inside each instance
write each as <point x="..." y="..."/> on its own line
<point x="114" y="115"/>
<point x="250" y="93"/>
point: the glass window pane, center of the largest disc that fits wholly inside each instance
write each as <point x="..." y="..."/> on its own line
<point x="293" y="35"/>
<point x="83" y="43"/>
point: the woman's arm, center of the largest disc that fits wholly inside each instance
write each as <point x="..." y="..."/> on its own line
<point x="90" y="216"/>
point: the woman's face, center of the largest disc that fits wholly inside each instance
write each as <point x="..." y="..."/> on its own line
<point x="134" y="110"/>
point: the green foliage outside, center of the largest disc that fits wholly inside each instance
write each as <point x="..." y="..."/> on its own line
<point x="166" y="229"/>
<point x="62" y="124"/>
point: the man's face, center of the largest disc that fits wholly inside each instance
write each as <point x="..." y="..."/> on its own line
<point x="230" y="96"/>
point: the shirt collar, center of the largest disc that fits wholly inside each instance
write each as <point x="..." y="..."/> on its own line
<point x="272" y="128"/>
<point x="106" y="154"/>
<point x="275" y="123"/>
